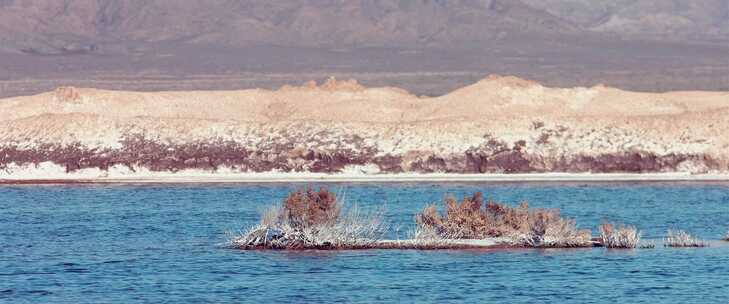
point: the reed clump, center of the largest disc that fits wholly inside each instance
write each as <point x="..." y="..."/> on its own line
<point x="472" y="219"/>
<point x="619" y="237"/>
<point x="680" y="238"/>
<point x="311" y="219"/>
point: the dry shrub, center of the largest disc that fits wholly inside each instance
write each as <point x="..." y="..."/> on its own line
<point x="621" y="237"/>
<point x="309" y="219"/>
<point x="462" y="220"/>
<point x="425" y="238"/>
<point x="306" y="208"/>
<point x="680" y="238"/>
<point x="551" y="230"/>
<point x="470" y="219"/>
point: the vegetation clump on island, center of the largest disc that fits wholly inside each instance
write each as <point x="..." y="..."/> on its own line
<point x="519" y="226"/>
<point x="680" y="238"/>
<point x="317" y="219"/>
<point x="311" y="219"/>
<point x="622" y="236"/>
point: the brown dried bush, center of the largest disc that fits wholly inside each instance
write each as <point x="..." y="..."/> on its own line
<point x="310" y="219"/>
<point x="307" y="208"/>
<point x="469" y="219"/>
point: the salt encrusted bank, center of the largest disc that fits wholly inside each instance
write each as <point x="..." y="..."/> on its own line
<point x="498" y="125"/>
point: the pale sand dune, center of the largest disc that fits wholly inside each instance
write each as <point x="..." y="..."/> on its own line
<point x="346" y="101"/>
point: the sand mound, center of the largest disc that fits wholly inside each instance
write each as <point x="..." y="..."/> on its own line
<point x="348" y="101"/>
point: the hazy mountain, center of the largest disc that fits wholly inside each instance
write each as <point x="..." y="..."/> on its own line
<point x="635" y="44"/>
<point x="47" y="27"/>
<point x="71" y="26"/>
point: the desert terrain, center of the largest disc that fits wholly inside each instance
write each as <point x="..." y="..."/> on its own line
<point x="500" y="124"/>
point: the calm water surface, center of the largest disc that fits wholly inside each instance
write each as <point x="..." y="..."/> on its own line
<point x="160" y="243"/>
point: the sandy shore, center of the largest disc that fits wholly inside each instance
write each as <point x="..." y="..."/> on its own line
<point x="318" y="177"/>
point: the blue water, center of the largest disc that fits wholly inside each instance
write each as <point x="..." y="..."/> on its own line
<point x="160" y="243"/>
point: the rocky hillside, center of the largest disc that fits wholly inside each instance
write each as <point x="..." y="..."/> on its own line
<point x="497" y="125"/>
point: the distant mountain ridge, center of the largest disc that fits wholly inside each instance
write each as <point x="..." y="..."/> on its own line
<point x="429" y="47"/>
<point x="98" y="26"/>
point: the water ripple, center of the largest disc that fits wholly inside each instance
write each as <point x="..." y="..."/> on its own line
<point x="158" y="243"/>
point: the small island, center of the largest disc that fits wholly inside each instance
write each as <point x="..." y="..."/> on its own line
<point x="315" y="219"/>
